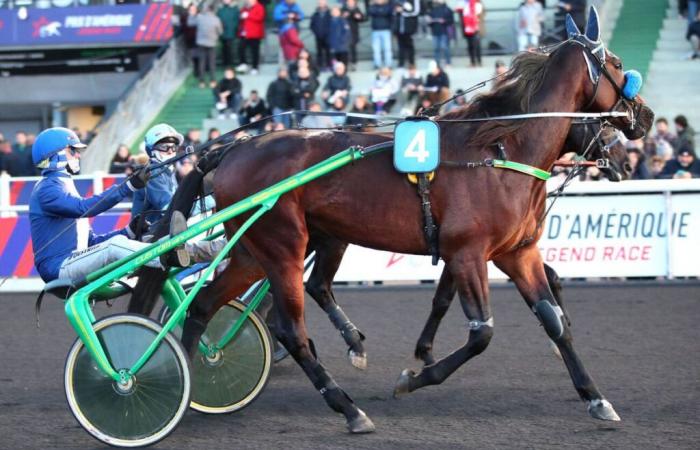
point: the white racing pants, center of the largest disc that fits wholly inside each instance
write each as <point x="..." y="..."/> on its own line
<point x="83" y="262"/>
<point x="205" y="251"/>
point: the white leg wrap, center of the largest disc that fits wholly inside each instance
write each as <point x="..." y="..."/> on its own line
<point x="81" y="263"/>
<point x="476" y="324"/>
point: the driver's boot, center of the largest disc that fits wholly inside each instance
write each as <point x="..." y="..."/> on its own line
<point x="177" y="257"/>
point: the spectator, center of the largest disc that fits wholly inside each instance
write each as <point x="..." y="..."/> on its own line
<point x="5" y="154"/>
<point x="286" y="11"/>
<point x="529" y="25"/>
<point x="354" y="16"/>
<point x="228" y="93"/>
<point x="383" y="93"/>
<point x="337" y="86"/>
<point x="121" y="159"/>
<point x="693" y="36"/>
<point x="685" y="139"/>
<point x="380" y="13"/>
<point x="339" y="36"/>
<point x="338" y="106"/>
<point x="193" y="138"/>
<point x="321" y="27"/>
<point x="441" y="18"/>
<point x="251" y="31"/>
<point x="290" y="42"/>
<point x="636" y="158"/>
<point x="304" y="88"/>
<point x="360" y="106"/>
<point x="229" y="14"/>
<point x="405" y="26"/>
<point x="471" y="12"/>
<point x="577" y="9"/>
<point x="660" y="143"/>
<point x="304" y="58"/>
<point x="437" y="81"/>
<point x="189" y="32"/>
<point x="656" y="166"/>
<point x="316" y="121"/>
<point x="183" y="168"/>
<point x="21" y="164"/>
<point x="459" y="102"/>
<point x="693" y="10"/>
<point x="253" y="110"/>
<point x="209" y="28"/>
<point x="685" y="166"/>
<point x="411" y="87"/>
<point x="280" y="96"/>
<point x="214" y="133"/>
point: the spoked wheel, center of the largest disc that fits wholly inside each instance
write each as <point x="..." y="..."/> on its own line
<point x="234" y="376"/>
<point x="146" y="409"/>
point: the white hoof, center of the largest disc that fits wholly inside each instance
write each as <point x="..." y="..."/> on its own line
<point x="361" y="424"/>
<point x="602" y="409"/>
<point x="555" y="349"/>
<point x="358" y="360"/>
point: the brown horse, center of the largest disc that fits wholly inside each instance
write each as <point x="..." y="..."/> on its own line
<point x="585" y="139"/>
<point x="483" y="213"/>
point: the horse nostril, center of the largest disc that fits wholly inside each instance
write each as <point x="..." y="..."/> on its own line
<point x="627" y="168"/>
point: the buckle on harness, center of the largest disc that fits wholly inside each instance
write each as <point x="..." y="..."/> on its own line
<point x="413" y="178"/>
<point x="602" y="163"/>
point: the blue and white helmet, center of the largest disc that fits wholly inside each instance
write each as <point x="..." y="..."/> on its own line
<point x="159" y="132"/>
<point x="47" y="151"/>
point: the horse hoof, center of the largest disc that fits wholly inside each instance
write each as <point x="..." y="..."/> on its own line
<point x="358" y="360"/>
<point x="602" y="409"/>
<point x="361" y="424"/>
<point x="402" y="384"/>
<point x="555" y="349"/>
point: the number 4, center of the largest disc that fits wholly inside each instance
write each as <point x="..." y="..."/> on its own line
<point x="416" y="149"/>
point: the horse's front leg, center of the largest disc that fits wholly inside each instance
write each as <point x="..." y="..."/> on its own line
<point x="468" y="270"/>
<point x="524" y="267"/>
<point x="329" y="254"/>
<point x="444" y="294"/>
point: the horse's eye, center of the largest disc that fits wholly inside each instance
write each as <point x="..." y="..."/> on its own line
<point x="618" y="65"/>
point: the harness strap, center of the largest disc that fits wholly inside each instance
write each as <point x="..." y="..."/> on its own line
<point x="522" y="168"/>
<point x="430" y="230"/>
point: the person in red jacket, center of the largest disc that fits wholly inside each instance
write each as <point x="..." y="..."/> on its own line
<point x="289" y="41"/>
<point x="251" y="31"/>
<point x="471" y="12"/>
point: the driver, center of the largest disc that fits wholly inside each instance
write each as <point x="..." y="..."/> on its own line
<point x="64" y="245"/>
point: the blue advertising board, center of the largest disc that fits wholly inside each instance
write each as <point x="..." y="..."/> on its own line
<point x="118" y="24"/>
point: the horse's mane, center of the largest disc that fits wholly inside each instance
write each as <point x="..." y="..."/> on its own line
<point x="512" y="95"/>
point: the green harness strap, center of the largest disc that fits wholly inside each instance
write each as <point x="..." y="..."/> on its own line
<point x="522" y="168"/>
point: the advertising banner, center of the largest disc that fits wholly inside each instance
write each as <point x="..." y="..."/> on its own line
<point x="119" y="24"/>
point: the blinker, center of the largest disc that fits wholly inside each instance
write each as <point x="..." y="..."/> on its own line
<point x="633" y="84"/>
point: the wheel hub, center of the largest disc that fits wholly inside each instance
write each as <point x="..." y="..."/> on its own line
<point x="214" y="358"/>
<point x="126" y="384"/>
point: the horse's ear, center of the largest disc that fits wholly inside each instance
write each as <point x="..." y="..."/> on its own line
<point x="571" y="28"/>
<point x="593" y="25"/>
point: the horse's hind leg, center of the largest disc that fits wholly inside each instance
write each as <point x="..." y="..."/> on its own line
<point x="279" y="244"/>
<point x="470" y="276"/>
<point x="555" y="286"/>
<point x="444" y="294"/>
<point x="524" y="266"/>
<point x="241" y="272"/>
<point x="329" y="254"/>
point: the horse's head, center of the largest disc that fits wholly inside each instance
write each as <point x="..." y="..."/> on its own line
<point x="600" y="144"/>
<point x="607" y="87"/>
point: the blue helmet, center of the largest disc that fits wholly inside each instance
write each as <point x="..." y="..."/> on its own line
<point x="159" y="132"/>
<point x="46" y="148"/>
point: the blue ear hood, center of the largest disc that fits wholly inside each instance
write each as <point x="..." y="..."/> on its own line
<point x="633" y="84"/>
<point x="571" y="28"/>
<point x="593" y="25"/>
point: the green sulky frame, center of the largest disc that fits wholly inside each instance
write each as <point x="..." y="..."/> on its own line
<point x="77" y="307"/>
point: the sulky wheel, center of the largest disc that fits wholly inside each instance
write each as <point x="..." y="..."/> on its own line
<point x="234" y="376"/>
<point x="146" y="409"/>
